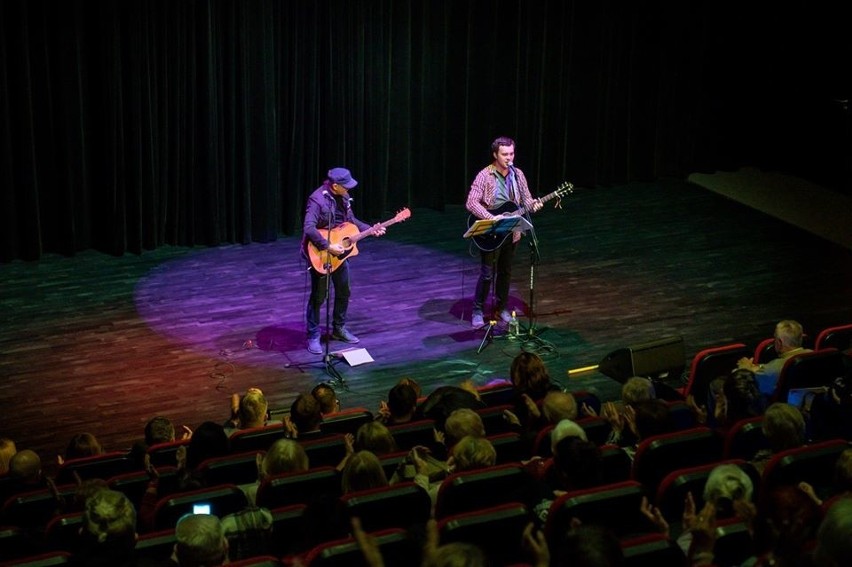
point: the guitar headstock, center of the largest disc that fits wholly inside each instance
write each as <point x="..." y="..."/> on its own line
<point x="565" y="188"/>
<point x="402" y="215"/>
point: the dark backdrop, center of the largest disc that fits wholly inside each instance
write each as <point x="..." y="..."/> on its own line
<point x="129" y="125"/>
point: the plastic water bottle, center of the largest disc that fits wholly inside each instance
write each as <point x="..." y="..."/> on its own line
<point x="513" y="326"/>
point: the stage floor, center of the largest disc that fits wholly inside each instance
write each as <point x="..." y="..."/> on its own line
<point x="102" y="344"/>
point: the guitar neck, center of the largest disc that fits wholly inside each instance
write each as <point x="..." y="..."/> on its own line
<point x="369" y="231"/>
<point x="546" y="198"/>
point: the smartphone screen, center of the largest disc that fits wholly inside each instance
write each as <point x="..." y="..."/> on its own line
<point x="201" y="508"/>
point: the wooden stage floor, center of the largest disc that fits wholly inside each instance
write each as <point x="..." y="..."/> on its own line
<point x="101" y="344"/>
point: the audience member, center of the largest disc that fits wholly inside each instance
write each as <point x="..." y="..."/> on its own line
<point x="728" y="490"/>
<point x="375" y="437"/>
<point x="363" y="470"/>
<point x="578" y="464"/>
<point x="107" y="531"/>
<point x="249" y="532"/>
<point x="283" y="456"/>
<point x="7" y="449"/>
<point x="742" y="399"/>
<point x="160" y="429"/>
<point x="558" y="405"/>
<point x="531" y="382"/>
<point x="444" y="400"/>
<point x="304" y="419"/>
<point x="461" y="423"/>
<point x="327" y="398"/>
<point x="785" y="526"/>
<point x="784" y="428"/>
<point x="586" y="546"/>
<point x="469" y="453"/>
<point x="834" y="537"/>
<point x="637" y="389"/>
<point x="639" y="420"/>
<point x="247" y="411"/>
<point x="549" y="473"/>
<point x="25" y="474"/>
<point x="401" y="404"/>
<point x="634" y="390"/>
<point x="200" y="541"/>
<point x="80" y="446"/>
<point x="208" y="441"/>
<point x="788" y="343"/>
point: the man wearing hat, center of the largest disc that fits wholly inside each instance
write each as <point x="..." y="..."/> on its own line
<point x="328" y="207"/>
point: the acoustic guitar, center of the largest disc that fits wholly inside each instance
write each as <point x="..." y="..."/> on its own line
<point x="346" y="235"/>
<point x="489" y="242"/>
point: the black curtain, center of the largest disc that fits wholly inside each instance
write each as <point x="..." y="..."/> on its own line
<point x="137" y="124"/>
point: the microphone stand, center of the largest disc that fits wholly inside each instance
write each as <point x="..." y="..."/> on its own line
<point x="336" y="378"/>
<point x="535" y="257"/>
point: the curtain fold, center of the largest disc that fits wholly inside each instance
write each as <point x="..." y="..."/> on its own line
<point x="131" y="125"/>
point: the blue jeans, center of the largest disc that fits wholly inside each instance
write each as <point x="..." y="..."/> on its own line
<point x="340" y="281"/>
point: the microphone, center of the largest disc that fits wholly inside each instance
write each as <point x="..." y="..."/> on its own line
<point x="510" y="165"/>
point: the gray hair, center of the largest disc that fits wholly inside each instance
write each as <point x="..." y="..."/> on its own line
<point x="563" y="429"/>
<point x="728" y="481"/>
<point x="200" y="541"/>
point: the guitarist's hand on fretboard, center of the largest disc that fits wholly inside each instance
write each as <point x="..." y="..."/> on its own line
<point x="378" y="229"/>
<point x="537" y="205"/>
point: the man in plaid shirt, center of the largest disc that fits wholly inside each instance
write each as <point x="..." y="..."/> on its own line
<point x="498" y="189"/>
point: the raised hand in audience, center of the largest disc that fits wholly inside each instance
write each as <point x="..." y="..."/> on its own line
<point x="654" y="516"/>
<point x="703" y="529"/>
<point x="536" y="543"/>
<point x="368" y="545"/>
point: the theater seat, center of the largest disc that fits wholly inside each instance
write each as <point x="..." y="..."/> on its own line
<point x="651" y="549"/>
<point x="809" y="370"/>
<point x="298" y="488"/>
<point x="838" y="337"/>
<point x="471" y="490"/>
<point x="659" y="455"/>
<point x="223" y="500"/>
<point x="100" y="466"/>
<point x="709" y="364"/>
<point x="395" y="545"/>
<point x="744" y="439"/>
<point x="673" y="489"/>
<point x="256" y="438"/>
<point x="614" y="506"/>
<point x="497" y="530"/>
<point x="236" y="468"/>
<point x="813" y="464"/>
<point x="400" y="505"/>
<point x="346" y="421"/>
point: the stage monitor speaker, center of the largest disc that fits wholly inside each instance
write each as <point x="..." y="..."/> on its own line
<point x="655" y="359"/>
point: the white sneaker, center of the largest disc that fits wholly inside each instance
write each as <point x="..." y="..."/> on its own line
<point x="476" y="320"/>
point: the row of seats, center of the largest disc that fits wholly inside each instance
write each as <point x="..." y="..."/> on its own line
<point x="683" y="447"/>
<point x="807" y="370"/>
<point x="397" y="545"/>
